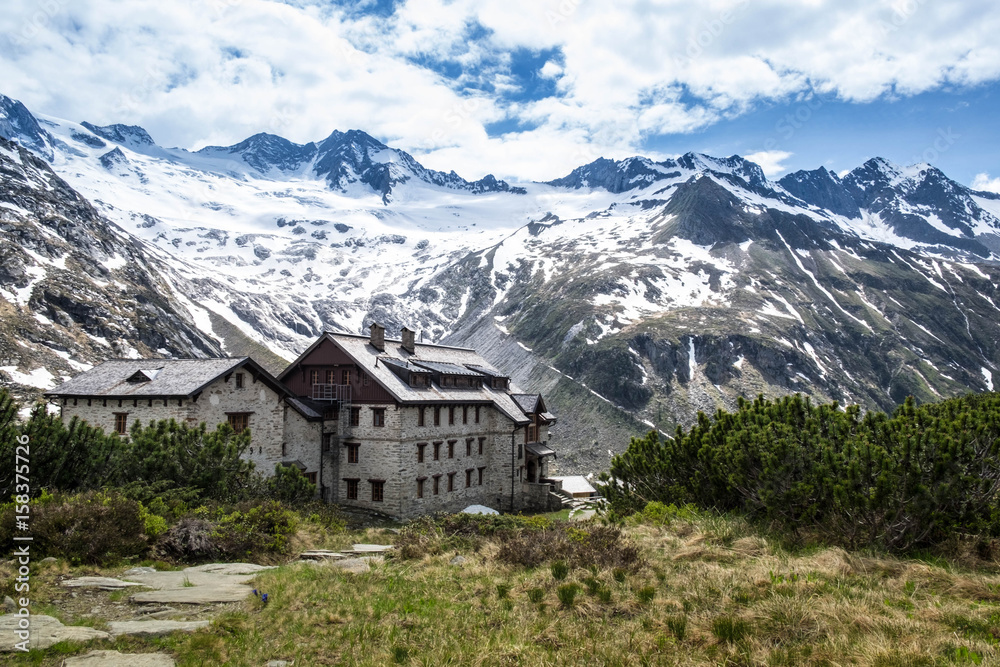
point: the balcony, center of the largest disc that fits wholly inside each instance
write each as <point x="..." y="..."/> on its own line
<point x="339" y="393"/>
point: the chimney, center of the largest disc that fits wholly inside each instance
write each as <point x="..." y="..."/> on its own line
<point x="378" y="336"/>
<point x="408" y="340"/>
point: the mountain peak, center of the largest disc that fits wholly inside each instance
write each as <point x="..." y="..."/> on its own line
<point x="18" y="125"/>
<point x="131" y="136"/>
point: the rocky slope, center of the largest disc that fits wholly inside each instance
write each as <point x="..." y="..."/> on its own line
<point x="632" y="293"/>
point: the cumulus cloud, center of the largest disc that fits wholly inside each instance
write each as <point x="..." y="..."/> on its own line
<point x="770" y="161"/>
<point x="984" y="182"/>
<point x="438" y="77"/>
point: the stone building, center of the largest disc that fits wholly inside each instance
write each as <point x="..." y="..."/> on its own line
<point x="411" y="428"/>
<point x="397" y="426"/>
<point x="117" y="393"/>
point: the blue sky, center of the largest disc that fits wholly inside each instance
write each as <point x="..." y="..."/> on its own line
<point x="530" y="89"/>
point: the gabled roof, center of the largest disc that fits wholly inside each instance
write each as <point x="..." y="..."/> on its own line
<point x="176" y="378"/>
<point x="372" y="361"/>
<point x="527" y="402"/>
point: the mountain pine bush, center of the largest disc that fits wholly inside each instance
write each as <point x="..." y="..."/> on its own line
<point x="902" y="481"/>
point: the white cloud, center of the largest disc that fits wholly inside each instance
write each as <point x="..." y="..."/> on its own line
<point x="984" y="182"/>
<point x="770" y="161"/>
<point x="198" y="72"/>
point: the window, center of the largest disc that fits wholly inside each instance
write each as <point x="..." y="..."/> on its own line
<point x="437" y="415"/>
<point x="355" y="416"/>
<point x="331" y="377"/>
<point x="364" y="379"/>
<point x="420" y="487"/>
<point x="451" y="415"/>
<point x="468" y="446"/>
<point x="481" y="476"/>
<point x="451" y="481"/>
<point x="437" y="484"/>
<point x="421" y="421"/>
<point x="239" y="420"/>
<point x="310" y="477"/>
<point x="465" y="414"/>
<point x="481" y="441"/>
<point x="284" y="449"/>
<point x="313" y="377"/>
<point x="477" y="414"/>
<point x="353" y="448"/>
<point x="468" y="478"/>
<point x="437" y="450"/>
<point x="420" y="451"/>
<point x="121" y="419"/>
<point x="328" y="441"/>
<point x="520" y="451"/>
<point x="451" y="449"/>
<point x="378" y="489"/>
<point x="532" y="433"/>
<point x="378" y="416"/>
<point x="239" y="380"/>
<point x="345" y="376"/>
<point x="352" y="488"/>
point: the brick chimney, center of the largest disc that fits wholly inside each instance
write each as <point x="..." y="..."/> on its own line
<point x="378" y="336"/>
<point x="408" y="340"/>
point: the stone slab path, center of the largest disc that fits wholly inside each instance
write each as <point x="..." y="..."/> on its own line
<point x="116" y="659"/>
<point x="202" y="584"/>
<point x="46" y="631"/>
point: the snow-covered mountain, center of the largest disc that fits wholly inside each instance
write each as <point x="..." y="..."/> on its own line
<point x="632" y="292"/>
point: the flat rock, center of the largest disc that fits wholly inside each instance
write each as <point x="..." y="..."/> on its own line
<point x="278" y="663"/>
<point x="355" y="565"/>
<point x="230" y="568"/>
<point x="154" y="628"/>
<point x="372" y="548"/>
<point x="46" y="631"/>
<point x="320" y="554"/>
<point x="103" y="583"/>
<point x="116" y="659"/>
<point x="194" y="595"/>
<point x="138" y="570"/>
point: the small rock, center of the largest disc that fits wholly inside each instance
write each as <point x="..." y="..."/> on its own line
<point x="155" y="610"/>
<point x="9" y="605"/>
<point x="73" y="594"/>
<point x="49" y="559"/>
<point x="278" y="663"/>
<point x="354" y="565"/>
<point x="154" y="628"/>
<point x="458" y="560"/>
<point x="138" y="570"/>
<point x="116" y="659"/>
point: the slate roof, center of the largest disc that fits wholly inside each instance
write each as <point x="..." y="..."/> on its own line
<point x="168" y="377"/>
<point x="444" y="368"/>
<point x="364" y="355"/>
<point x="538" y="449"/>
<point x="527" y="402"/>
<point x="308" y="408"/>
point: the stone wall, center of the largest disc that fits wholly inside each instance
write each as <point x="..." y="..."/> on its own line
<point x="266" y="421"/>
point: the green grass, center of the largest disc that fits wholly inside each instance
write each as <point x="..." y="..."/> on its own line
<point x="711" y="592"/>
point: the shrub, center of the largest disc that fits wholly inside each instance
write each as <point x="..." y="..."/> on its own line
<point x="536" y="595"/>
<point x="93" y="528"/>
<point x="254" y="531"/>
<point x="190" y="540"/>
<point x="602" y="546"/>
<point x="288" y="485"/>
<point x="899" y="482"/>
<point x="559" y="570"/>
<point x="567" y="594"/>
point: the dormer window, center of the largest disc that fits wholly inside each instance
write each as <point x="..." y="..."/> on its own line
<point x="143" y="375"/>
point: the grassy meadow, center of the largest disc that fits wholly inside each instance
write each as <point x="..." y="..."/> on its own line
<point x="685" y="589"/>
